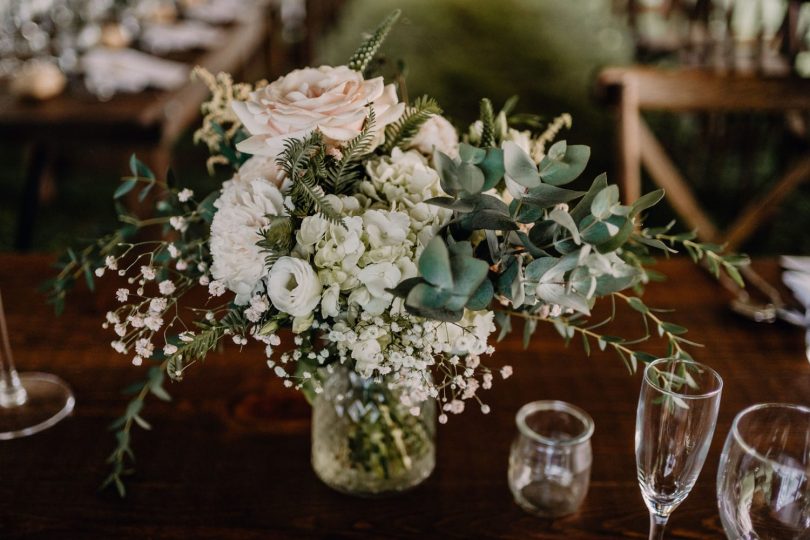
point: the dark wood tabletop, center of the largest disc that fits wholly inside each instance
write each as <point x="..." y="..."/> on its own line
<point x="229" y="457"/>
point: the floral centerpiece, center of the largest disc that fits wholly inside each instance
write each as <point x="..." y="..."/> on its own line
<point x="384" y="247"/>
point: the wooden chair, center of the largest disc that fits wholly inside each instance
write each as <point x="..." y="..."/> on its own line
<point x="636" y="89"/>
<point x="711" y="79"/>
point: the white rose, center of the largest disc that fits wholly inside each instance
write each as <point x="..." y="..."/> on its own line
<point x="436" y="134"/>
<point x="367" y="355"/>
<point x="332" y="100"/>
<point x="293" y="287"/>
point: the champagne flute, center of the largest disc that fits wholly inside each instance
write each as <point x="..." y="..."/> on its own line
<point x="763" y="482"/>
<point x="29" y="402"/>
<point x="677" y="412"/>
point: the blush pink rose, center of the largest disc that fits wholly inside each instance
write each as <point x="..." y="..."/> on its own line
<point x="332" y="100"/>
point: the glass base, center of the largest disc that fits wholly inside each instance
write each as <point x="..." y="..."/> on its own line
<point x="44" y="401"/>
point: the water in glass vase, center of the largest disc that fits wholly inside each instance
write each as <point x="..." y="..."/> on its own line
<point x="365" y="441"/>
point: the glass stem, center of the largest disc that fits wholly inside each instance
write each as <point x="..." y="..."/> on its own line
<point x="657" y="526"/>
<point x="12" y="393"/>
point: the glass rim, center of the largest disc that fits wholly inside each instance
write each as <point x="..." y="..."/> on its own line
<point x="559" y="406"/>
<point x="649" y="380"/>
<point x="738" y="438"/>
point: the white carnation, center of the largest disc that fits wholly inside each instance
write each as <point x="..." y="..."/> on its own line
<point x="261" y="167"/>
<point x="242" y="210"/>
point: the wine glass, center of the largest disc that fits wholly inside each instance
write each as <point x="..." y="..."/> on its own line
<point x="763" y="482"/>
<point x="29" y="402"/>
<point x="677" y="412"/>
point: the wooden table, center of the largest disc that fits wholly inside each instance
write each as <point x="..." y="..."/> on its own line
<point x="150" y="121"/>
<point x="230" y="457"/>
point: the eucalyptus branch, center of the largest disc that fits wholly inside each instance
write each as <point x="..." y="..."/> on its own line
<point x="711" y="254"/>
<point x="567" y="329"/>
<point x="123" y="425"/>
<point x="670" y="331"/>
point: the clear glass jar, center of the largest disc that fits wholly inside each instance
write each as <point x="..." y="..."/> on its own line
<point x="365" y="441"/>
<point x="550" y="461"/>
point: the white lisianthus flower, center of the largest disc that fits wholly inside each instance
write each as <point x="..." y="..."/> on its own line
<point x="293" y="287"/>
<point x="332" y="100"/>
<point x="242" y="211"/>
<point x="436" y="134"/>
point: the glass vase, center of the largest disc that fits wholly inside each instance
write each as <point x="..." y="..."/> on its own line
<point x="365" y="441"/>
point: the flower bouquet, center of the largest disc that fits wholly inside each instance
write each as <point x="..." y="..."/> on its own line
<point x="386" y="249"/>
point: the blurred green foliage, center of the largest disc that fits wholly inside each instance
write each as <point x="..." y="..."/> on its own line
<point x="460" y="51"/>
<point x="545" y="51"/>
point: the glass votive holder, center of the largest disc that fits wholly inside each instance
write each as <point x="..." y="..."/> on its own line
<point x="550" y="460"/>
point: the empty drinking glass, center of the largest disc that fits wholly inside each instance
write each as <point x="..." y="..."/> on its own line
<point x="677" y="412"/>
<point x="763" y="485"/>
<point x="550" y="461"/>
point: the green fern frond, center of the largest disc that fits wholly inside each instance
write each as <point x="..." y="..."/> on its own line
<point x="488" y="137"/>
<point x="344" y="172"/>
<point x="276" y="239"/>
<point x="297" y="153"/>
<point x="401" y="132"/>
<point x="234" y="323"/>
<point x="309" y="198"/>
<point x="365" y="53"/>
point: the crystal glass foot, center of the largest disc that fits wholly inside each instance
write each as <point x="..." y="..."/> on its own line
<point x="29" y="402"/>
<point x="677" y="413"/>
<point x="40" y="401"/>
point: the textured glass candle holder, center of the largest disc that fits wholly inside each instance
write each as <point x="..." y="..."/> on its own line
<point x="550" y="461"/>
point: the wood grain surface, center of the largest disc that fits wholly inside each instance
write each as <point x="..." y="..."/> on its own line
<point x="229" y="458"/>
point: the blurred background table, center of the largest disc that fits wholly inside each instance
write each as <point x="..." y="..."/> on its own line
<point x="230" y="457"/>
<point x="149" y="122"/>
